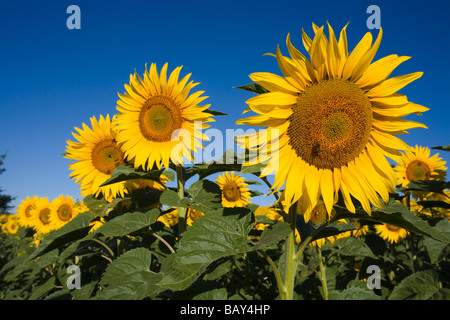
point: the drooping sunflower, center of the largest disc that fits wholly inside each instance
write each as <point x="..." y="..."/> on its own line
<point x="62" y="210"/>
<point x="40" y="216"/>
<point x="392" y="234"/>
<point x="331" y="121"/>
<point x="159" y="121"/>
<point x="234" y="190"/>
<point x="97" y="154"/>
<point x="23" y="211"/>
<point x="417" y="164"/>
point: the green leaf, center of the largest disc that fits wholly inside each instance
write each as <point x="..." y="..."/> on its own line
<point x="444" y="148"/>
<point x="357" y="290"/>
<point x="272" y="235"/>
<point x="170" y="198"/>
<point x="74" y="230"/>
<point x="253" y="87"/>
<point x="206" y="195"/>
<point x="217" y="234"/>
<point x="435" y="186"/>
<point x="434" y="249"/>
<point x="100" y="207"/>
<point x="351" y="246"/>
<point x="128" y="223"/>
<point x="396" y="214"/>
<point x="215" y="113"/>
<point x="43" y="289"/>
<point x="129" y="277"/>
<point x="421" y="285"/>
<point x="128" y="172"/>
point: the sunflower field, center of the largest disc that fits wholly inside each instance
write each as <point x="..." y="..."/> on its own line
<point x="357" y="213"/>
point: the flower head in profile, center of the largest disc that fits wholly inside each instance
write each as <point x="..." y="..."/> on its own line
<point x="391" y="233"/>
<point x="337" y="114"/>
<point x="97" y="154"/>
<point x="159" y="120"/>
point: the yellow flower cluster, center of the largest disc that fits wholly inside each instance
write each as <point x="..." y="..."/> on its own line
<point x="42" y="215"/>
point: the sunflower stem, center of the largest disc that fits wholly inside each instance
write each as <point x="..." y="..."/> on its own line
<point x="291" y="262"/>
<point x="181" y="211"/>
<point x="322" y="275"/>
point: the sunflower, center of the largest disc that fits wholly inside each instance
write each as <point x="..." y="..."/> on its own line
<point x="390" y="233"/>
<point x="23" y="211"/>
<point x="97" y="154"/>
<point x="12" y="225"/>
<point x="416" y="164"/>
<point x="169" y="218"/>
<point x="40" y="216"/>
<point x="62" y="210"/>
<point x="158" y="120"/>
<point x="331" y="121"/>
<point x="234" y="190"/>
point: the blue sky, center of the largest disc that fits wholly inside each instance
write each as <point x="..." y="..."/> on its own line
<point x="53" y="79"/>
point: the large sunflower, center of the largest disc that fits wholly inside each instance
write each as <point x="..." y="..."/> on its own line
<point x="336" y="115"/>
<point x="159" y="121"/>
<point x="24" y="211"/>
<point x="234" y="190"/>
<point x="62" y="210"/>
<point x="416" y="164"/>
<point x="97" y="154"/>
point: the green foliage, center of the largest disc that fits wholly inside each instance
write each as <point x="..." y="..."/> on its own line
<point x="133" y="255"/>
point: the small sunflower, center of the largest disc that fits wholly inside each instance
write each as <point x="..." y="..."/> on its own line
<point x="234" y="190"/>
<point x="9" y="223"/>
<point x="23" y="211"/>
<point x="62" y="210"/>
<point x="416" y="164"/>
<point x="193" y="215"/>
<point x="331" y="121"/>
<point x="97" y="154"/>
<point x="159" y="120"/>
<point x="169" y="218"/>
<point x="40" y="216"/>
<point x="392" y="234"/>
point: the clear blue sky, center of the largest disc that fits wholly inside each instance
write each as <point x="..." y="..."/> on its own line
<point x="53" y="79"/>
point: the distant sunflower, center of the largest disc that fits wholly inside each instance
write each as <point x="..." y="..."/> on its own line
<point x="158" y="119"/>
<point x="336" y="115"/>
<point x="169" y="218"/>
<point x="12" y="224"/>
<point x="40" y="216"/>
<point x="390" y="233"/>
<point x="97" y="154"/>
<point x="23" y="211"/>
<point x="62" y="210"/>
<point x="416" y="164"/>
<point x="234" y="190"/>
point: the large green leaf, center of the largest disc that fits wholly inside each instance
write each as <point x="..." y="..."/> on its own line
<point x="421" y="285"/>
<point x="127" y="223"/>
<point x="396" y="214"/>
<point x="129" y="277"/>
<point x="128" y="172"/>
<point x="74" y="230"/>
<point x="217" y="234"/>
<point x="350" y="246"/>
<point x="272" y="234"/>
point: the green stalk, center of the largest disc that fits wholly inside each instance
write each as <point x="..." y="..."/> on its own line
<point x="322" y="275"/>
<point x="291" y="261"/>
<point x="181" y="210"/>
